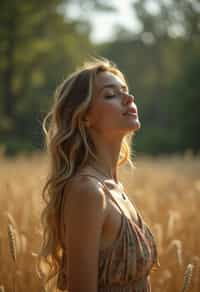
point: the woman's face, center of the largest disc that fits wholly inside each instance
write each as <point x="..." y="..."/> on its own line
<point x="108" y="112"/>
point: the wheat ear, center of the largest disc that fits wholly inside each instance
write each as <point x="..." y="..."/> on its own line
<point x="12" y="241"/>
<point x="196" y="262"/>
<point x="187" y="278"/>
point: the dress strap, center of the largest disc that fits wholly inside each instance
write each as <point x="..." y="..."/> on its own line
<point x="108" y="191"/>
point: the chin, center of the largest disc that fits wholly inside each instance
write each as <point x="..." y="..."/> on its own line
<point x="136" y="126"/>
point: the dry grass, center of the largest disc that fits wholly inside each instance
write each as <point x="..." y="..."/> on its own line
<point x="166" y="190"/>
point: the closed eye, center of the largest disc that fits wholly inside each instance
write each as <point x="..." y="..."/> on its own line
<point x="120" y="93"/>
<point x="110" y="96"/>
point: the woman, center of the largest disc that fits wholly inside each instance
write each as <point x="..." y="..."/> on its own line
<point x="94" y="238"/>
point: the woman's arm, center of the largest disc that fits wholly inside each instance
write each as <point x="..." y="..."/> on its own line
<point x="84" y="215"/>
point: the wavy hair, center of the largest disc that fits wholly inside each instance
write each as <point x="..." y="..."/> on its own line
<point x="69" y="147"/>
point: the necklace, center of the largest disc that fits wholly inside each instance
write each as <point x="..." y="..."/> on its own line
<point x="100" y="171"/>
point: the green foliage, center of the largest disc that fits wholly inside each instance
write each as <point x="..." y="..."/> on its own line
<point x="187" y="102"/>
<point x="41" y="45"/>
<point x="162" y="69"/>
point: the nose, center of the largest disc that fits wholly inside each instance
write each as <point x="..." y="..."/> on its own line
<point x="128" y="98"/>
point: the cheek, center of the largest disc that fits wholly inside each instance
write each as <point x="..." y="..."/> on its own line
<point x="108" y="109"/>
<point x="106" y="115"/>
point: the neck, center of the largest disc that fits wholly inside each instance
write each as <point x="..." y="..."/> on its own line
<point x="108" y="155"/>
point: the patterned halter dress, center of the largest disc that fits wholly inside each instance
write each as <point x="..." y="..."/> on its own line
<point x="125" y="265"/>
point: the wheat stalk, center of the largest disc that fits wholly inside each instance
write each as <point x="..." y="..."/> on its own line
<point x="187" y="278"/>
<point x="178" y="247"/>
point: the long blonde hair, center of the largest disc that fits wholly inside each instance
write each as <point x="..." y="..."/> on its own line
<point x="69" y="147"/>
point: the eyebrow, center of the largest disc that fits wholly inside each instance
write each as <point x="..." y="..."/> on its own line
<point x="111" y="85"/>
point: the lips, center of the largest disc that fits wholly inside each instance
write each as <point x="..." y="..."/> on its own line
<point x="130" y="110"/>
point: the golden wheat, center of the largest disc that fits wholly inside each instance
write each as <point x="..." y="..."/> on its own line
<point x="159" y="235"/>
<point x="178" y="248"/>
<point x="12" y="241"/>
<point x="187" y="278"/>
<point x="196" y="262"/>
<point x="10" y="219"/>
<point x="172" y="222"/>
<point x="165" y="189"/>
<point x="23" y="242"/>
<point x="2" y="289"/>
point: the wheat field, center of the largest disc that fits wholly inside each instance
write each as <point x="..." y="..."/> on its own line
<point x="165" y="189"/>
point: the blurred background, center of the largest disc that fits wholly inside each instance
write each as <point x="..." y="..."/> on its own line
<point x="155" y="43"/>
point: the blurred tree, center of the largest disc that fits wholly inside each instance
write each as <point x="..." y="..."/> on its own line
<point x="154" y="60"/>
<point x="173" y="18"/>
<point x="30" y="31"/>
<point x="40" y="45"/>
<point x="186" y="108"/>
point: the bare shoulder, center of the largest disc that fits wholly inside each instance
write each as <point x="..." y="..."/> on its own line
<point x="87" y="192"/>
<point x="86" y="187"/>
